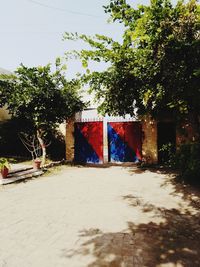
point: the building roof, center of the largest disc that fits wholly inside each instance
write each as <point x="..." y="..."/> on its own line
<point x="4" y="71"/>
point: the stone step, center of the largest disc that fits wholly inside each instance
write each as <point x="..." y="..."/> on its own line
<point x="21" y="175"/>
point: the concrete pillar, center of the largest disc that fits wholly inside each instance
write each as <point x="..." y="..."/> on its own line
<point x="149" y="142"/>
<point x="70" y="140"/>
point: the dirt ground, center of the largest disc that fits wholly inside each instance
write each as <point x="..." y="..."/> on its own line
<point x="100" y="217"/>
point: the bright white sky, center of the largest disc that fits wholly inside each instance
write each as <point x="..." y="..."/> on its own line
<point x="31" y="30"/>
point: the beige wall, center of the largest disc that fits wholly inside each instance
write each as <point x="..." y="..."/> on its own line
<point x="4" y="114"/>
<point x="62" y="129"/>
<point x="149" y="142"/>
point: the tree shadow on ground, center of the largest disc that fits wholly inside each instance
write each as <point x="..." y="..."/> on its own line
<point x="174" y="241"/>
<point x="189" y="192"/>
<point x="154" y="168"/>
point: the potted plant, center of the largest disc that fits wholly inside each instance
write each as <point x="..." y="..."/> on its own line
<point x="37" y="163"/>
<point x="4" y="167"/>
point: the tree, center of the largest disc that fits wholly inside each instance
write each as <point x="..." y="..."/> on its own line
<point x="156" y="68"/>
<point x="41" y="99"/>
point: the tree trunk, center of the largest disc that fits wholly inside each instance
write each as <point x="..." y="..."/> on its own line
<point x="43" y="147"/>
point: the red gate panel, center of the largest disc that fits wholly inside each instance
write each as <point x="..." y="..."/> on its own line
<point x="89" y="142"/>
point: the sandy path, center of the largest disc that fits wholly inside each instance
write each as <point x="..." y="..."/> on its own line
<point x="83" y="217"/>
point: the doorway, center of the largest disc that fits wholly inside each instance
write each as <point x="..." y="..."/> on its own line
<point x="166" y="135"/>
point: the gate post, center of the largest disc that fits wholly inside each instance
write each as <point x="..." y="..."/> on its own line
<point x="105" y="141"/>
<point x="149" y="142"/>
<point x="70" y="139"/>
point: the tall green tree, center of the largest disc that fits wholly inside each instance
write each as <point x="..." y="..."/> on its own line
<point x="156" y="68"/>
<point x="40" y="98"/>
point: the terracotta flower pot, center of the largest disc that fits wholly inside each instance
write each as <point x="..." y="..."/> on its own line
<point x="4" y="172"/>
<point x="37" y="164"/>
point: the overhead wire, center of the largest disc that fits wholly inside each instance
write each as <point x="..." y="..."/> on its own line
<point x="64" y="10"/>
<point x="30" y="32"/>
<point x="55" y="8"/>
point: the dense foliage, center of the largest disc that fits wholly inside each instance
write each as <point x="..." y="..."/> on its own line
<point x="39" y="98"/>
<point x="186" y="160"/>
<point x="156" y="68"/>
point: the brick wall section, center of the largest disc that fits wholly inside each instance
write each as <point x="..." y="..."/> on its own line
<point x="70" y="140"/>
<point x="149" y="142"/>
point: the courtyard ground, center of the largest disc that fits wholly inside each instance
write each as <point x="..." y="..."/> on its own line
<point x="102" y="217"/>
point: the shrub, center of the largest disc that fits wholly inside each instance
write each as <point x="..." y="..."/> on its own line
<point x="11" y="145"/>
<point x="168" y="155"/>
<point x="188" y="162"/>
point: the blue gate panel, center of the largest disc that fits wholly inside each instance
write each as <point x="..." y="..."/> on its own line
<point x="124" y="141"/>
<point x="116" y="146"/>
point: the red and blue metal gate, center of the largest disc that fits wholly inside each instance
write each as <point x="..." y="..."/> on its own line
<point x="89" y="142"/>
<point x="124" y="141"/>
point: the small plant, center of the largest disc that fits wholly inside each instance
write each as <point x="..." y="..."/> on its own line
<point x="188" y="162"/>
<point x="169" y="155"/>
<point x="4" y="163"/>
<point x="4" y="167"/>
